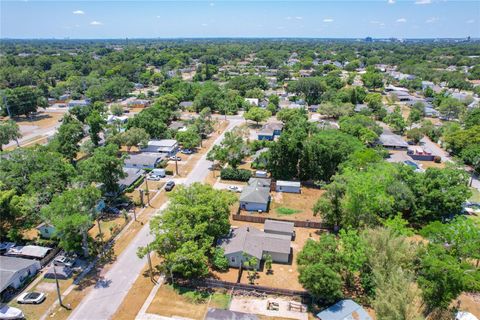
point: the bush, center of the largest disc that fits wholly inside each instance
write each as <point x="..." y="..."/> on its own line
<point x="219" y="261"/>
<point x="136" y="184"/>
<point x="169" y="172"/>
<point x="235" y="174"/>
<point x="437" y="159"/>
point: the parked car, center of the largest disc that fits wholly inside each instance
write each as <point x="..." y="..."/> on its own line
<point x="7" y="313"/>
<point x="64" y="261"/>
<point x="187" y="151"/>
<point x="31" y="298"/>
<point x="234" y="189"/>
<point x="153" y="177"/>
<point x="175" y="158"/>
<point x="169" y="185"/>
<point x="124" y="205"/>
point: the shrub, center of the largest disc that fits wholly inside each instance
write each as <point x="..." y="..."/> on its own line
<point x="219" y="261"/>
<point x="169" y="172"/>
<point x="437" y="159"/>
<point x="235" y="174"/>
<point x="135" y="184"/>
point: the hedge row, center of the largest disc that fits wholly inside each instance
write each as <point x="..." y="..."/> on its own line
<point x="135" y="184"/>
<point x="235" y="174"/>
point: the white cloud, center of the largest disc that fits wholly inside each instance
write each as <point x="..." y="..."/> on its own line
<point x="204" y="24"/>
<point x="158" y="17"/>
<point x="391" y="1"/>
<point x="212" y="4"/>
<point x="288" y="18"/>
<point x="401" y="20"/>
<point x="470" y="21"/>
<point x="299" y="18"/>
<point x="328" y="20"/>
<point x="96" y="23"/>
<point x="431" y="20"/>
<point x="423" y="1"/>
<point x="78" y="12"/>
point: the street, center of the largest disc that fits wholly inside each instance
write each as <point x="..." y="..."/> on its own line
<point x="103" y="301"/>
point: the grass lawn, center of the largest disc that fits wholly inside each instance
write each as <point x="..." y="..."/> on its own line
<point x="475" y="195"/>
<point x="286" y="211"/>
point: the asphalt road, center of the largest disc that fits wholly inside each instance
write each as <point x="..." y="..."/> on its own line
<point x="105" y="298"/>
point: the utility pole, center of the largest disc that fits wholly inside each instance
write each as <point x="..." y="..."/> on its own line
<point x="150" y="266"/>
<point x="58" y="287"/>
<point x="134" y="213"/>
<point x="176" y="164"/>
<point x="6" y="106"/>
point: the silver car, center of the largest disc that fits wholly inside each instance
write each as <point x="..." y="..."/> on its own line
<point x="31" y="298"/>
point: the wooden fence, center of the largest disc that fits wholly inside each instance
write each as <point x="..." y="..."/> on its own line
<point x="213" y="283"/>
<point x="297" y="223"/>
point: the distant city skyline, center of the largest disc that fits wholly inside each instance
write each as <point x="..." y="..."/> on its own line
<point x="211" y="19"/>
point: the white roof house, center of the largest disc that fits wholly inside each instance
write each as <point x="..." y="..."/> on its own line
<point x="288" y="186"/>
<point x="33" y="252"/>
<point x="168" y="146"/>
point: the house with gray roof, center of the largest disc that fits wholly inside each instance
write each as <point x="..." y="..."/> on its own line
<point x="260" y="182"/>
<point x="344" y="310"/>
<point x="143" y="160"/>
<point x="14" y="271"/>
<point x="186" y="104"/>
<point x="288" y="186"/>
<point x="255" y="198"/>
<point x="392" y="141"/>
<point x="220" y="314"/>
<point x="284" y="228"/>
<point x="30" y="252"/>
<point x="243" y="243"/>
<point x="131" y="175"/>
<point x="165" y="146"/>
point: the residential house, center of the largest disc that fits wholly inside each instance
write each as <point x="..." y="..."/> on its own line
<point x="288" y="186"/>
<point x="252" y="101"/>
<point x="245" y="242"/>
<point x="28" y="252"/>
<point x="186" y="104"/>
<point x="78" y="103"/>
<point x="143" y="160"/>
<point x="168" y="147"/>
<point x="392" y="141"/>
<point x="270" y="130"/>
<point x="284" y="228"/>
<point x="46" y="230"/>
<point x="260" y="182"/>
<point x="429" y="111"/>
<point x="313" y="107"/>
<point x="131" y="176"/>
<point x="419" y="153"/>
<point x="62" y="272"/>
<point x="255" y="198"/>
<point x="137" y="103"/>
<point x="14" y="271"/>
<point x="361" y="107"/>
<point x="115" y="119"/>
<point x="344" y="310"/>
<point x="177" y="125"/>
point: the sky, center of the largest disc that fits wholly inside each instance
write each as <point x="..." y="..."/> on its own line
<point x="89" y="19"/>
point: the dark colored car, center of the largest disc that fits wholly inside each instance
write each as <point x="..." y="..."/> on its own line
<point x="111" y="210"/>
<point x="169" y="185"/>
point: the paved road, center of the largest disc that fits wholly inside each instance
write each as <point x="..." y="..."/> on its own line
<point x="105" y="298"/>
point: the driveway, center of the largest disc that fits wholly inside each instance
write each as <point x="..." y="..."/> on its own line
<point x="103" y="300"/>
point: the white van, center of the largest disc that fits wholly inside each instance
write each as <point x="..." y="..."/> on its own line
<point x="158" y="172"/>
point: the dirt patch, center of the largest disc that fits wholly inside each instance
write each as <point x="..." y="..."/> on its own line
<point x="469" y="302"/>
<point x="279" y="307"/>
<point x="430" y="164"/>
<point x="293" y="206"/>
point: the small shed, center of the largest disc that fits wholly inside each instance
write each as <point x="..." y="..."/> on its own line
<point x="288" y="186"/>
<point x="279" y="227"/>
<point x="46" y="230"/>
<point x="344" y="310"/>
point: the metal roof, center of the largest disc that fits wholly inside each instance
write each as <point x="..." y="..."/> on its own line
<point x="392" y="140"/>
<point x="260" y="182"/>
<point x="288" y="183"/>
<point x="28" y="251"/>
<point x="344" y="310"/>
<point x="220" y="314"/>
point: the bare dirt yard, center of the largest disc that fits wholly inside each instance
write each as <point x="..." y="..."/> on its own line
<point x="280" y="308"/>
<point x="293" y="206"/>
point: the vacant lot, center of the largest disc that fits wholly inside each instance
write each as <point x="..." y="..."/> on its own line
<point x="174" y="301"/>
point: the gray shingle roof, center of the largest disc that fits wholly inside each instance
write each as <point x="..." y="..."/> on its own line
<point x="220" y="314"/>
<point x="392" y="140"/>
<point x="260" y="182"/>
<point x="281" y="226"/>
<point x="255" y="194"/>
<point x="254" y="242"/>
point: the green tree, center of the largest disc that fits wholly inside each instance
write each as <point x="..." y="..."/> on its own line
<point x="116" y="109"/>
<point x="9" y="131"/>
<point x="96" y="123"/>
<point x="105" y="167"/>
<point x="71" y="214"/>
<point x="189" y="139"/>
<point x="372" y="79"/>
<point x="257" y="114"/>
<point x="67" y="139"/>
<point x="323" y="283"/>
<point x="396" y="121"/>
<point x="185" y="233"/>
<point x="22" y="100"/>
<point x="231" y="150"/>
